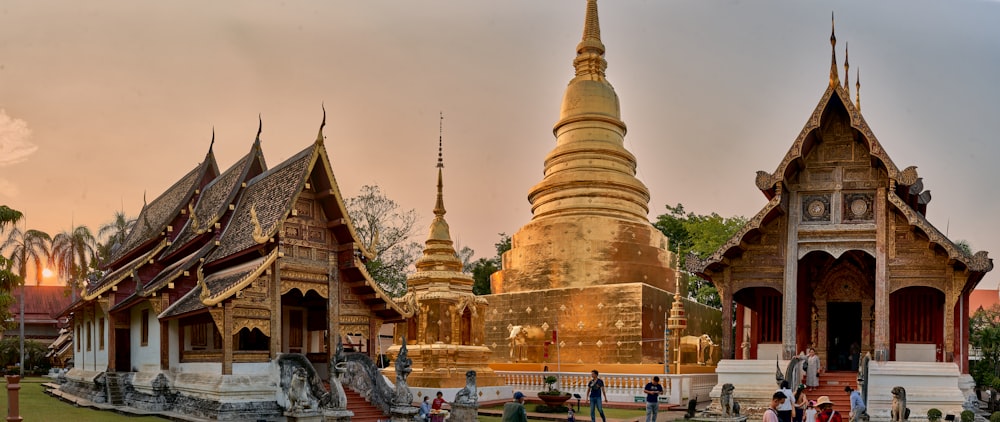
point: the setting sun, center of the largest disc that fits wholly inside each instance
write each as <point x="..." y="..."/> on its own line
<point x="46" y="273"/>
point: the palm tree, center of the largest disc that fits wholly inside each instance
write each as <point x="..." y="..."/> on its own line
<point x="73" y="252"/>
<point x="26" y="247"/>
<point x="113" y="233"/>
<point x="7" y="277"/>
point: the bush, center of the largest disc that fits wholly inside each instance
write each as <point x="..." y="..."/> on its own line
<point x="551" y="409"/>
<point x="968" y="416"/>
<point x="933" y="414"/>
<point x="995" y="417"/>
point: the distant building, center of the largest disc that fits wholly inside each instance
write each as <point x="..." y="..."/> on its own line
<point x="42" y="304"/>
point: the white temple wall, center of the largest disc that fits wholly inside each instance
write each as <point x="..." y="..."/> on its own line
<point x="145" y="356"/>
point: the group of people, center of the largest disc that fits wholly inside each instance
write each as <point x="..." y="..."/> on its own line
<point x="796" y="407"/>
<point x="514" y="411"/>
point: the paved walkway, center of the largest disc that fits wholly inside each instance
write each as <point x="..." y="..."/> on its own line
<point x="584" y="416"/>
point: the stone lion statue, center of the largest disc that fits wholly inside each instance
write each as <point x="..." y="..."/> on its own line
<point x="299" y="395"/>
<point x="468" y="395"/>
<point x="899" y="412"/>
<point x="728" y="404"/>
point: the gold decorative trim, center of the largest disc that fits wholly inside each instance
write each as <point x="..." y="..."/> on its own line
<point x="697" y="265"/>
<point x="139" y="262"/>
<point x="979" y="262"/>
<point x="239" y="323"/>
<point x="218" y="317"/>
<point x="304" y="286"/>
<point x="216" y="298"/>
<point x="258" y="231"/>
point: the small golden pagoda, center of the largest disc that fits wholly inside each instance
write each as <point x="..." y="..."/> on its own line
<point x="444" y="337"/>
<point x="588" y="279"/>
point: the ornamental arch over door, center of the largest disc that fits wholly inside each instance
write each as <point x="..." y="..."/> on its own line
<point x="758" y="322"/>
<point x="839" y="312"/>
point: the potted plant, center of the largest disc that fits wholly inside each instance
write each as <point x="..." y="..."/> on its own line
<point x="933" y="415"/>
<point x="552" y="396"/>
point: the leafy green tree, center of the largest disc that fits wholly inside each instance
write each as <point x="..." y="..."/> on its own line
<point x="484" y="267"/>
<point x="8" y="278"/>
<point x="385" y="230"/>
<point x="984" y="334"/>
<point x="34" y="354"/>
<point x="701" y="234"/>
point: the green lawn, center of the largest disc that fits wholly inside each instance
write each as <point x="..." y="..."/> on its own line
<point x="583" y="414"/>
<point x="38" y="406"/>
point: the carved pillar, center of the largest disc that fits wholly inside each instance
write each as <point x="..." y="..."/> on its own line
<point x="789" y="291"/>
<point x="111" y="342"/>
<point x="227" y="338"/>
<point x="333" y="306"/>
<point x="275" y="295"/>
<point x="374" y="340"/>
<point x="866" y="325"/>
<point x="948" y="325"/>
<point x="881" y="277"/>
<point x="726" y="297"/>
<point x="456" y="326"/>
<point x="165" y="345"/>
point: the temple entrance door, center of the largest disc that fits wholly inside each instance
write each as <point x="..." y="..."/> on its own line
<point x="123" y="356"/>
<point x="843" y="328"/>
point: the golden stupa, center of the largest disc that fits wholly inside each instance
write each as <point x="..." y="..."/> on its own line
<point x="444" y="335"/>
<point x="589" y="265"/>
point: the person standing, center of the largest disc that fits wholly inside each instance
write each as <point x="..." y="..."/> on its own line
<point x="436" y="407"/>
<point x="826" y="412"/>
<point x="595" y="388"/>
<point x="653" y="391"/>
<point x="811" y="412"/>
<point x="771" y="413"/>
<point x="812" y="369"/>
<point x="786" y="411"/>
<point x="857" y="405"/>
<point x="514" y="411"/>
<point x="425" y="409"/>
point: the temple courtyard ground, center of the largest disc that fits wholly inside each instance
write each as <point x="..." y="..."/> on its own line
<point x="37" y="406"/>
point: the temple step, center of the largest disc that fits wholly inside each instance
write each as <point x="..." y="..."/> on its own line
<point x="831" y="384"/>
<point x="363" y="410"/>
<point x="116" y="397"/>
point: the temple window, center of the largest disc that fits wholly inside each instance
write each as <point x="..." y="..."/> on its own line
<point x="199" y="339"/>
<point x="144" y="328"/>
<point x="90" y="325"/>
<point x="100" y="334"/>
<point x="769" y="329"/>
<point x="247" y="339"/>
<point x="79" y="342"/>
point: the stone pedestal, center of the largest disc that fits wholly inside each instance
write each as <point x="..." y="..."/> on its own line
<point x="403" y="413"/>
<point x="461" y="412"/>
<point x="341" y="415"/>
<point x="304" y="416"/>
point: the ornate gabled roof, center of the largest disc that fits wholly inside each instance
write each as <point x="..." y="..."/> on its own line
<point x="800" y="148"/>
<point x="215" y="198"/>
<point x="175" y="270"/>
<point x="979" y="262"/>
<point x="113" y="278"/>
<point x="215" y="288"/>
<point x="155" y="216"/>
<point x="264" y="205"/>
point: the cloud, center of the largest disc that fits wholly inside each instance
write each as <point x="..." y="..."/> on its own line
<point x="8" y="189"/>
<point x="14" y="144"/>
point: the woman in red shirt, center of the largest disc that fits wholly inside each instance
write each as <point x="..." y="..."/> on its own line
<point x="826" y="412"/>
<point x="436" y="408"/>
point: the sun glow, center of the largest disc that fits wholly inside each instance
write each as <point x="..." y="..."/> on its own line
<point x="46" y="273"/>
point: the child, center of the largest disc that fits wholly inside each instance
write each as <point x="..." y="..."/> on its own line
<point x="569" y="416"/>
<point x="811" y="411"/>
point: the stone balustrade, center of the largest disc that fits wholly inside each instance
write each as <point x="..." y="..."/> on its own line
<point x="619" y="387"/>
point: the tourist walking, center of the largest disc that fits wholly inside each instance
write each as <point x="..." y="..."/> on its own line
<point x="595" y="388"/>
<point x="826" y="412"/>
<point x="786" y="411"/>
<point x="812" y="367"/>
<point x="857" y="405"/>
<point x="653" y="391"/>
<point x="771" y="413"/>
<point x="514" y="411"/>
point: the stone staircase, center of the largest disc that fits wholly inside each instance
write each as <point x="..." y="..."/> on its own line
<point x="363" y="410"/>
<point x="116" y="397"/>
<point x="832" y="384"/>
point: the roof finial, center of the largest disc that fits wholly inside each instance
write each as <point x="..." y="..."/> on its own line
<point x="212" y="144"/>
<point x="847" y="72"/>
<point x="260" y="126"/>
<point x="441" y="141"/>
<point x="319" y="136"/>
<point x="590" y="52"/>
<point x="834" y="78"/>
<point x="857" y="93"/>
<point x="439" y="204"/>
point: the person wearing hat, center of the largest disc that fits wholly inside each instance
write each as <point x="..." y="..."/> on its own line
<point x="771" y="413"/>
<point x="826" y="412"/>
<point x="514" y="411"/>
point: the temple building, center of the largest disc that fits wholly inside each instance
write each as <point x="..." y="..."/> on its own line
<point x="222" y="275"/>
<point x="843" y="258"/>
<point x="444" y="335"/>
<point x="588" y="278"/>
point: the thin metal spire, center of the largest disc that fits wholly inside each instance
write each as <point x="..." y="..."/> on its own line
<point x="441" y="142"/>
<point x="834" y="77"/>
<point x="260" y="126"/>
<point x="857" y="91"/>
<point x="847" y="71"/>
<point x="589" y="59"/>
<point x="439" y="210"/>
<point x="212" y="144"/>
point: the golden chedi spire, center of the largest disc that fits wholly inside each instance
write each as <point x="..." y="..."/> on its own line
<point x="590" y="172"/>
<point x="439" y="250"/>
<point x="857" y="89"/>
<point x="847" y="69"/>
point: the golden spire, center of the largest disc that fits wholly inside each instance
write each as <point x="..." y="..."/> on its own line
<point x="590" y="52"/>
<point x="319" y="136"/>
<point x="847" y="72"/>
<point x="439" y="205"/>
<point x="857" y="91"/>
<point x="834" y="78"/>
